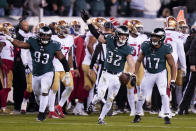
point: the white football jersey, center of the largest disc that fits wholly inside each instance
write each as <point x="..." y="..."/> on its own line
<point x="66" y="44"/>
<point x="25" y="53"/>
<point x="136" y="43"/>
<point x="175" y="39"/>
<point x="8" y="49"/>
<point x="88" y="56"/>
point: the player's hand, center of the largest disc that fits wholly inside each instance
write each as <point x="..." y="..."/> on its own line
<point x="172" y="85"/>
<point x="7" y="37"/>
<point x="133" y="80"/>
<point x="27" y="69"/>
<point x="67" y="78"/>
<point x="85" y="16"/>
<point x="91" y="72"/>
<point x="193" y="68"/>
<point x="76" y="73"/>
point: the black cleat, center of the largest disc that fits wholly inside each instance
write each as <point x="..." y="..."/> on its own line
<point x="180" y="112"/>
<point x="90" y="108"/>
<point x="41" y="116"/>
<point x="137" y="119"/>
<point x="167" y="120"/>
<point x="101" y="122"/>
<point x="186" y="112"/>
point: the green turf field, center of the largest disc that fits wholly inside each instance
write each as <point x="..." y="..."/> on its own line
<point x="89" y="123"/>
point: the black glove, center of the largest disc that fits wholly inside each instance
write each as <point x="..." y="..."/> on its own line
<point x="172" y="85"/>
<point x="27" y="69"/>
<point x="133" y="80"/>
<point x="85" y="16"/>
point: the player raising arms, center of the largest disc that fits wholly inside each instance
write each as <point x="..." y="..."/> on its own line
<point x="118" y="52"/>
<point x="43" y="50"/>
<point x="155" y="54"/>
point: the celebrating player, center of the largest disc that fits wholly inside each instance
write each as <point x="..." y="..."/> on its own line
<point x="118" y="52"/>
<point x="43" y="50"/>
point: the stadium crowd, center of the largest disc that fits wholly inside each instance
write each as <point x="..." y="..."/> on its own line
<point x="59" y="70"/>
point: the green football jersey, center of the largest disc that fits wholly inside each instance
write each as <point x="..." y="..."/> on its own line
<point x="116" y="56"/>
<point x="155" y="59"/>
<point x="42" y="56"/>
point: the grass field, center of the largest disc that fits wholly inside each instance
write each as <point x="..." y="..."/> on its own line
<point x="89" y="123"/>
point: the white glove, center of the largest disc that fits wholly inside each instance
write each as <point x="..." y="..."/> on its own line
<point x="67" y="78"/>
<point x="9" y="38"/>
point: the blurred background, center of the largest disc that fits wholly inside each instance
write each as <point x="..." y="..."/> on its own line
<point x="144" y="10"/>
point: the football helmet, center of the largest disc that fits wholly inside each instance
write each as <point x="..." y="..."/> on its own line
<point x="98" y="22"/>
<point x="138" y="25"/>
<point x="8" y="29"/>
<point x="183" y="27"/>
<point x="131" y="26"/>
<point x="62" y="28"/>
<point x="122" y="34"/>
<point x="158" y="32"/>
<point x="37" y="27"/>
<point x="170" y="23"/>
<point x="44" y="35"/>
<point x="76" y="26"/>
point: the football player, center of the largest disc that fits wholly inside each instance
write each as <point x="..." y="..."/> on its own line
<point x="155" y="54"/>
<point x="175" y="39"/>
<point x="7" y="58"/>
<point x="43" y="50"/>
<point x="135" y="40"/>
<point x="66" y="42"/>
<point x="118" y="52"/>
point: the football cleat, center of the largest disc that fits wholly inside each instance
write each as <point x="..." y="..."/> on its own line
<point x="167" y="120"/>
<point x="90" y="108"/>
<point x="53" y="115"/>
<point x="101" y="122"/>
<point x="137" y="119"/>
<point x="41" y="116"/>
<point x="59" y="111"/>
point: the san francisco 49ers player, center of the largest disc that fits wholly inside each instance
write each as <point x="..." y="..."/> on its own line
<point x="135" y="40"/>
<point x="174" y="38"/>
<point x="66" y="42"/>
<point x="7" y="58"/>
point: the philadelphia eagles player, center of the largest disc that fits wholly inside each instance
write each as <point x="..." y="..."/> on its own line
<point x="117" y="53"/>
<point x="155" y="54"/>
<point x="43" y="50"/>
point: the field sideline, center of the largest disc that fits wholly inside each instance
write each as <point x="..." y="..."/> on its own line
<point x="89" y="123"/>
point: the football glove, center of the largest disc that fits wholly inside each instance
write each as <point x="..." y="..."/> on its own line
<point x="172" y="85"/>
<point x="133" y="80"/>
<point x="67" y="78"/>
<point x="9" y="38"/>
<point x="85" y="16"/>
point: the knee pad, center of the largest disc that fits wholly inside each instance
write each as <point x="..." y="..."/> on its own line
<point x="70" y="88"/>
<point x="45" y="89"/>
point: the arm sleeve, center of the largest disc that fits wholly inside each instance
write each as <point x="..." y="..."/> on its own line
<point x="95" y="55"/>
<point x="181" y="55"/>
<point x="192" y="53"/>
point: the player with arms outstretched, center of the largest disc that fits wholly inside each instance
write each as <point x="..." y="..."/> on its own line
<point x="43" y="50"/>
<point x="118" y="52"/>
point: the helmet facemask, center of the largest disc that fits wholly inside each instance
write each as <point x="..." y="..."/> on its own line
<point x="122" y="35"/>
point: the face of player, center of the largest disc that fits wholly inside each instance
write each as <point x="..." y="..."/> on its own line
<point x="155" y="41"/>
<point x="123" y="38"/>
<point x="45" y="38"/>
<point x="184" y="30"/>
